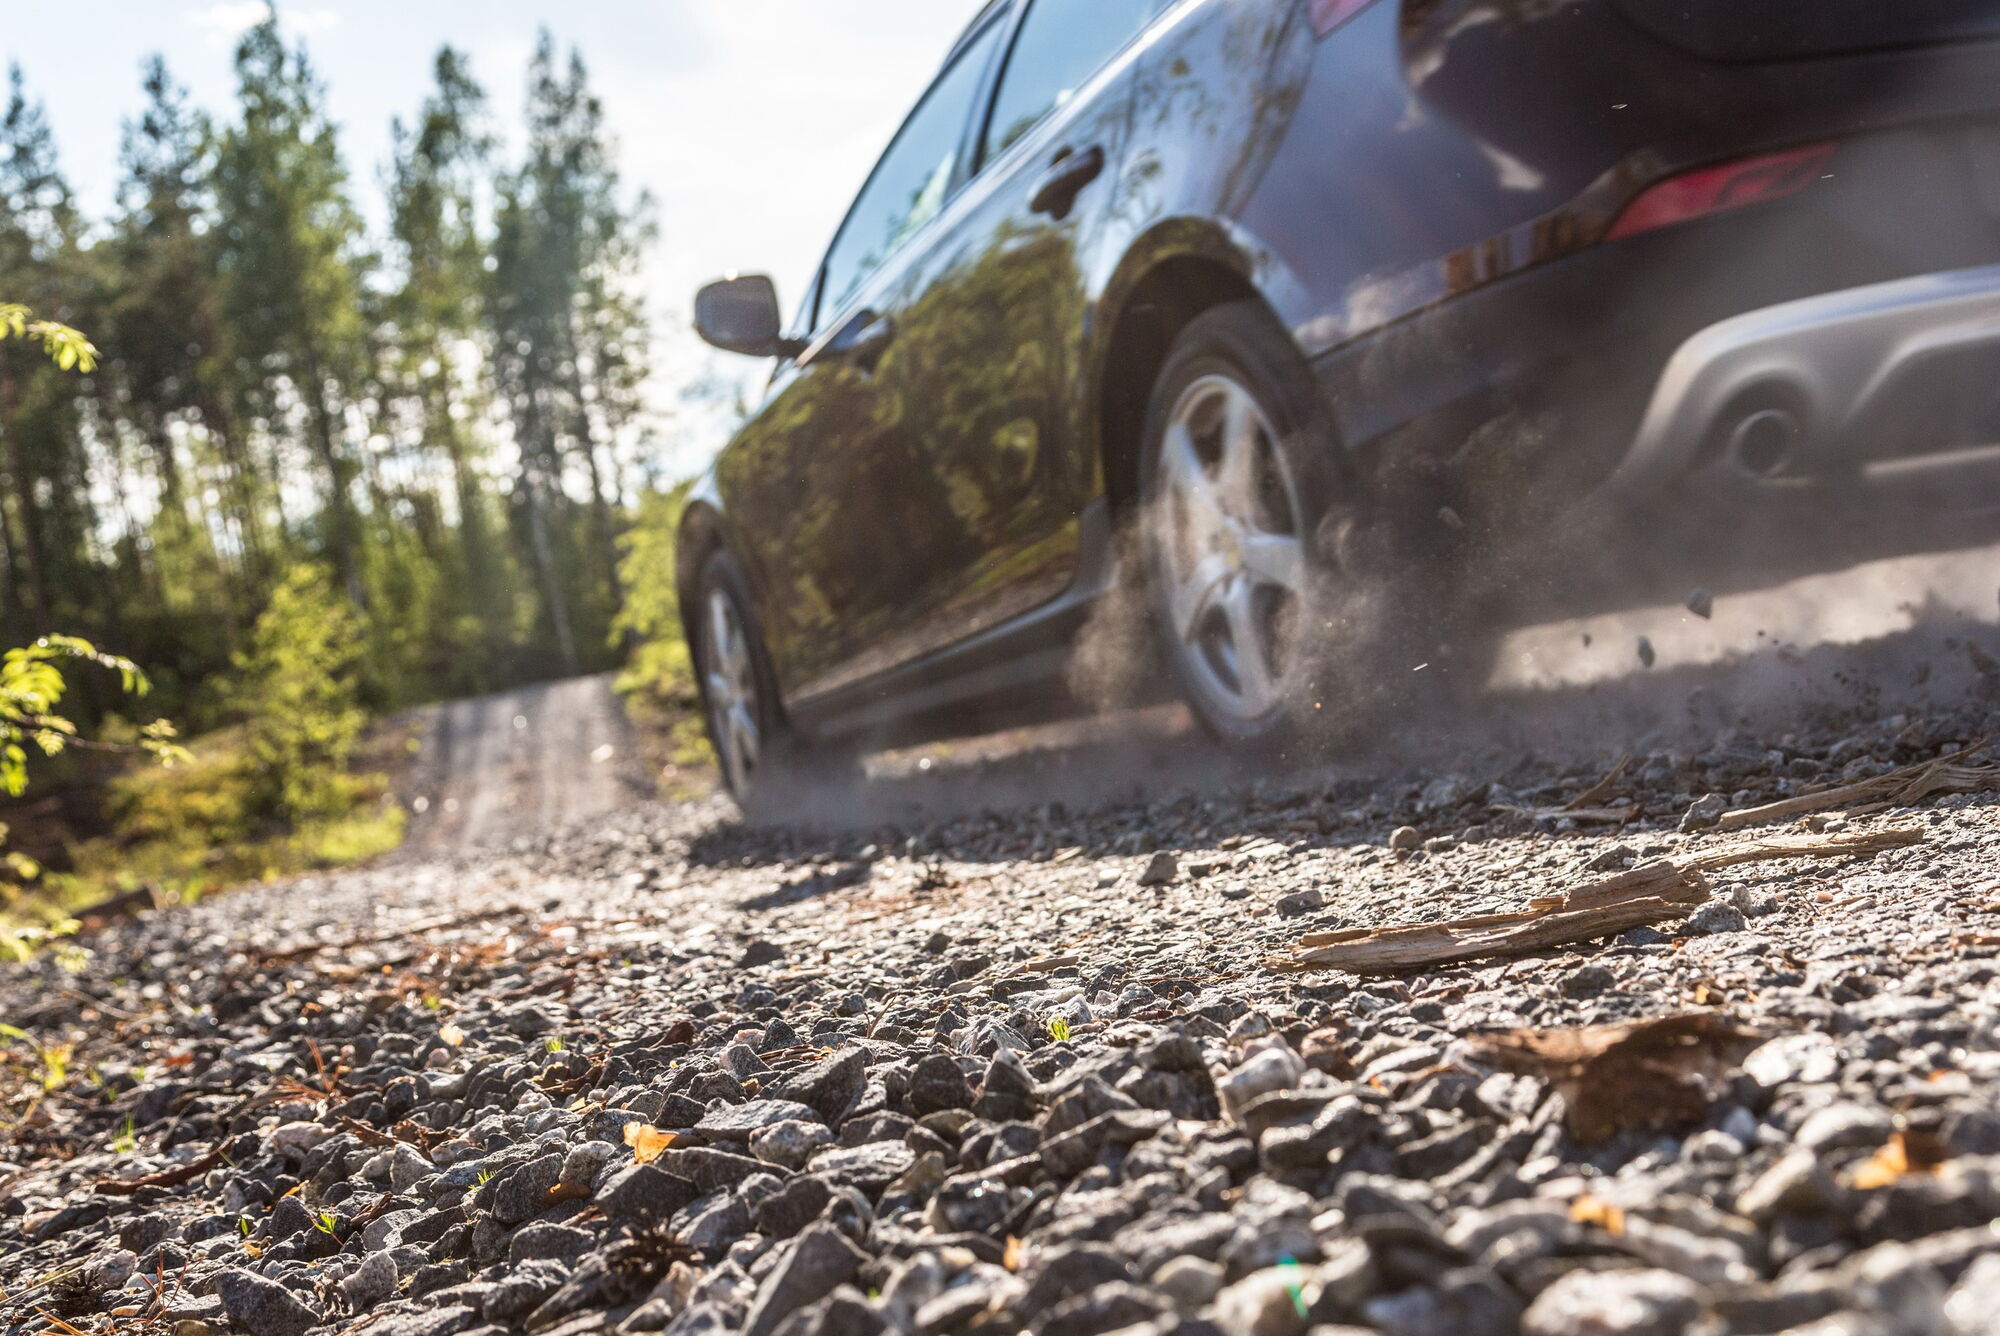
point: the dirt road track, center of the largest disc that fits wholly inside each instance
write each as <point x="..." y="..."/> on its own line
<point x="496" y="766"/>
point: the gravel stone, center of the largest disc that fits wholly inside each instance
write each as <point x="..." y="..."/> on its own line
<point x="1614" y="1303"/>
<point x="878" y="1129"/>
<point x="263" y="1307"/>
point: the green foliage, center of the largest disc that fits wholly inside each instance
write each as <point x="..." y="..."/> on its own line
<point x="659" y="677"/>
<point x="445" y="414"/>
<point x="32" y="687"/>
<point x="298" y="690"/>
<point x="203" y="826"/>
<point x="65" y="347"/>
<point x="659" y="666"/>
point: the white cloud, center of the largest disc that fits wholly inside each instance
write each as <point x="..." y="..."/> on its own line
<point x="224" y="19"/>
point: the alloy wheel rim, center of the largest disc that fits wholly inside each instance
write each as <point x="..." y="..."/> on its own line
<point x="1229" y="549"/>
<point x="732" y="692"/>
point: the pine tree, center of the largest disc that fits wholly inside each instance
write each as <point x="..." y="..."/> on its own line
<point x="569" y="346"/>
<point x="43" y="482"/>
<point x="290" y="250"/>
<point x="437" y="353"/>
<point x="162" y="321"/>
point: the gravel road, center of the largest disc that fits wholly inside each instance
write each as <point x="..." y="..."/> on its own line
<point x="1020" y="1056"/>
<point x="496" y="766"/>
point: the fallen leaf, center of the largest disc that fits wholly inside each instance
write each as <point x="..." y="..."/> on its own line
<point x="1015" y="1254"/>
<point x="648" y="1142"/>
<point x="1648" y="1075"/>
<point x="1588" y="1210"/>
<point x="1908" y="1153"/>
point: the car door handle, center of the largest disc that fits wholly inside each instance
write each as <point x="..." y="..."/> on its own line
<point x="1055" y="194"/>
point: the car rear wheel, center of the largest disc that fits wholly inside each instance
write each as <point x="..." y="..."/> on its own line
<point x="1288" y="607"/>
<point x="1234" y="481"/>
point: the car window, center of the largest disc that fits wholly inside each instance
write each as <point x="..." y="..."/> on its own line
<point x="1061" y="44"/>
<point x="914" y="178"/>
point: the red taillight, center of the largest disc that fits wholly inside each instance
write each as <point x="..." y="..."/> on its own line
<point x="1714" y="190"/>
<point x="1330" y="14"/>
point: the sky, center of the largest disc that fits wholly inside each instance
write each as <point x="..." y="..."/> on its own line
<point x="752" y="122"/>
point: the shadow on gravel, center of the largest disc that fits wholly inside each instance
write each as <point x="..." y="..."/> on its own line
<point x="1076" y="785"/>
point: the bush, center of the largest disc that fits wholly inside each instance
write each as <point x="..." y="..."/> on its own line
<point x="298" y="689"/>
<point x="659" y="666"/>
<point x="658" y="681"/>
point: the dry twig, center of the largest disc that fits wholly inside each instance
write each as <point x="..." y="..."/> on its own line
<point x="1899" y="788"/>
<point x="1654" y="893"/>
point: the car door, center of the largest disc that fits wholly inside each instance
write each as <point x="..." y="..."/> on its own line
<point x="831" y="504"/>
<point x="982" y="389"/>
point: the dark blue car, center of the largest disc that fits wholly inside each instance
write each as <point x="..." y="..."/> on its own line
<point x="1326" y="336"/>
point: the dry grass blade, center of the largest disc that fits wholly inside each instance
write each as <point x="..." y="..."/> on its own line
<point x="1653" y="893"/>
<point x="1590" y="797"/>
<point x="1899" y="788"/>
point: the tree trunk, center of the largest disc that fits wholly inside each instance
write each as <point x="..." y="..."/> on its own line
<point x="341" y="529"/>
<point x="26" y="558"/>
<point x="545" y="567"/>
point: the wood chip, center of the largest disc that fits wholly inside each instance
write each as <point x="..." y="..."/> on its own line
<point x="1652" y="893"/>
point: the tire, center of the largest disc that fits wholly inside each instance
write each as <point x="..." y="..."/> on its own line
<point x="1262" y="558"/>
<point x="767" y="767"/>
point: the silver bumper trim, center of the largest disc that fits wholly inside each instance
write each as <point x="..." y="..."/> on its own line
<point x="1829" y="358"/>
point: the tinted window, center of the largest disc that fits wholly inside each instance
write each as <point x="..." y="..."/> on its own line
<point x="1062" y="43"/>
<point x="913" y="179"/>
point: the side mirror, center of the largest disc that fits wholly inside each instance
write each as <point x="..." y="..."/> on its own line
<point x="740" y="315"/>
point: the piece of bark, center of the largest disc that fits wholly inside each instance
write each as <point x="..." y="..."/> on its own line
<point x="1615" y="816"/>
<point x="1652" y="893"/>
<point x="1645" y="895"/>
<point x="1644" y="1075"/>
<point x="166" y="1178"/>
<point x="1900" y="788"/>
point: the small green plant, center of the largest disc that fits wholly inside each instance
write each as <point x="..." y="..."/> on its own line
<point x="1058" y="1029"/>
<point x="127" y="1140"/>
<point x="326" y="1222"/>
<point x="20" y="944"/>
<point x="243" y="1225"/>
<point x="53" y="1059"/>
<point x="554" y="1044"/>
<point x="485" y="1177"/>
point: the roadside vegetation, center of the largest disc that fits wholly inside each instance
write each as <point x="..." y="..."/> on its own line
<point x="306" y="474"/>
<point x="658" y="681"/>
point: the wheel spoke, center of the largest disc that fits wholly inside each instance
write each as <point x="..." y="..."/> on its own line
<point x="1191" y="482"/>
<point x="1238" y="474"/>
<point x="1275" y="559"/>
<point x="1194" y="595"/>
<point x="731" y="683"/>
<point x="1253" y="666"/>
<point x="744" y="730"/>
<point x="719" y="628"/>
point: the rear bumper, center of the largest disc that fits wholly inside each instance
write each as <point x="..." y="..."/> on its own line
<point x="1887" y="388"/>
